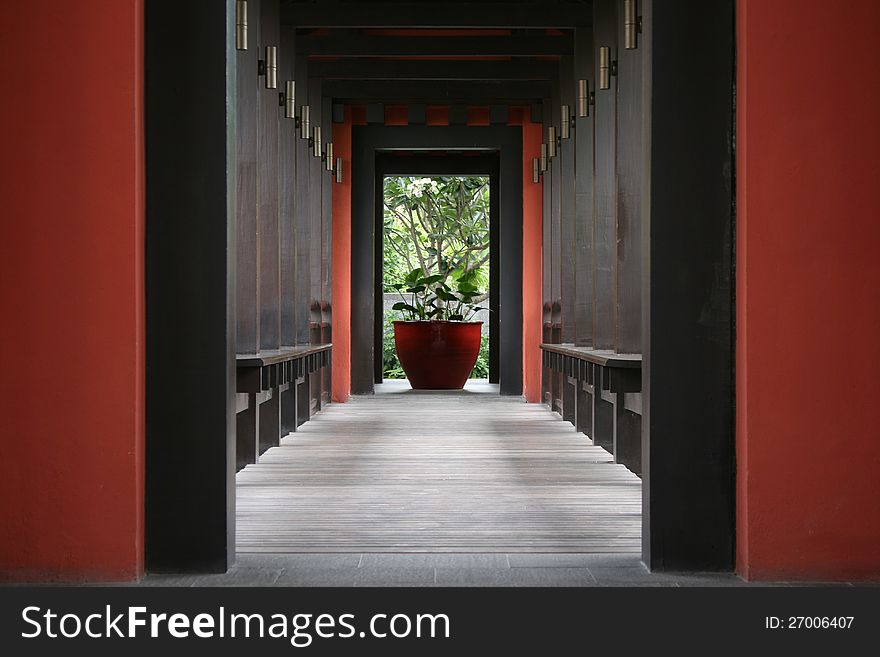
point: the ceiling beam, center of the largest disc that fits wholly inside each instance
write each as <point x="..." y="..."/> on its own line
<point x="408" y="69"/>
<point x="437" y="14"/>
<point x="484" y="92"/>
<point x="341" y="45"/>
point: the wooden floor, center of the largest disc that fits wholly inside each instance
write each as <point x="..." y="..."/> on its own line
<point x="406" y="471"/>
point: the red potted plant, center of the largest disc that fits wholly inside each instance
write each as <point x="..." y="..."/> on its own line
<point x="436" y="342"/>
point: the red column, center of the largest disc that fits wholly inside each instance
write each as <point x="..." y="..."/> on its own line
<point x="532" y="257"/>
<point x="808" y="275"/>
<point x="342" y="262"/>
<point x="71" y="384"/>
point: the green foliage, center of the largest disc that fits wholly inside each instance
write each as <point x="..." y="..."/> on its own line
<point x="481" y="367"/>
<point x="439" y="225"/>
<point x="391" y="368"/>
<point x="431" y="297"/>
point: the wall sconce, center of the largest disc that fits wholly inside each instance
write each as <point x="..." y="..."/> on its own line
<point x="241" y="37"/>
<point x="316" y="141"/>
<point x="304" y="127"/>
<point x="271" y="67"/>
<point x="607" y="68"/>
<point x="328" y="156"/>
<point x="536" y="170"/>
<point x="338" y="170"/>
<point x="551" y="141"/>
<point x="585" y="98"/>
<point x="565" y="125"/>
<point x="289" y="99"/>
<point x="632" y="24"/>
<point x="543" y="158"/>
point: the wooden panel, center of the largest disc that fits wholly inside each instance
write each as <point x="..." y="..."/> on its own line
<point x="567" y="93"/>
<point x="247" y="337"/>
<point x="488" y="474"/>
<point x="268" y="253"/>
<point x="302" y="227"/>
<point x="533" y="44"/>
<point x="584" y="207"/>
<point x="288" y="136"/>
<point x="467" y="92"/>
<point x="630" y="167"/>
<point x="326" y="182"/>
<point x="315" y="175"/>
<point x="605" y="274"/>
<point x="547" y="264"/>
<point x="391" y="69"/>
<point x="413" y="14"/>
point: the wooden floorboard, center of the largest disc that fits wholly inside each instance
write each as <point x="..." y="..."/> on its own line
<point x="403" y="471"/>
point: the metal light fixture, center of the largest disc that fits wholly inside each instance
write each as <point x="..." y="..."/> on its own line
<point x="241" y="25"/>
<point x="536" y="170"/>
<point x="271" y="67"/>
<point x="289" y="99"/>
<point x="338" y="169"/>
<point x="605" y="67"/>
<point x="551" y="141"/>
<point x="632" y="24"/>
<point x="304" y="126"/>
<point x="565" y="125"/>
<point x="316" y="141"/>
<point x="543" y="158"/>
<point x="328" y="156"/>
<point x="584" y="99"/>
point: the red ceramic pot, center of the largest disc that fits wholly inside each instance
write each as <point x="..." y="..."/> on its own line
<point x="437" y="355"/>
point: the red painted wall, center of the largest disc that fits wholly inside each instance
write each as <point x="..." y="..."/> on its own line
<point x="808" y="275"/>
<point x="341" y="238"/>
<point x="71" y="388"/>
<point x="533" y="239"/>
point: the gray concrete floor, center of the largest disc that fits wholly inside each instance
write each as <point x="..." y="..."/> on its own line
<point x="428" y="570"/>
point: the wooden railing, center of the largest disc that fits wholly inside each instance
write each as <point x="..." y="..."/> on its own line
<point x="277" y="391"/>
<point x="599" y="391"/>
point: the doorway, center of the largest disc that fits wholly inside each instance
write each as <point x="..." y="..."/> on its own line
<point x="475" y="176"/>
<point x="381" y="151"/>
<point x="688" y="519"/>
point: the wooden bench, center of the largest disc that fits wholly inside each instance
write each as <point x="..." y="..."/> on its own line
<point x="275" y="395"/>
<point x="601" y="396"/>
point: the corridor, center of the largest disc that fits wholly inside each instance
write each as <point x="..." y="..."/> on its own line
<point x="458" y="471"/>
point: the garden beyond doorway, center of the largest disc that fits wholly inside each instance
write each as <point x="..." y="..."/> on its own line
<point x="436" y="227"/>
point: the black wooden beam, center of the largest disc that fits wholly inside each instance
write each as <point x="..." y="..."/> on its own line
<point x="520" y="45"/>
<point x="413" y="14"/>
<point x="190" y="290"/>
<point x="408" y="69"/>
<point x="688" y="442"/>
<point x="484" y="92"/>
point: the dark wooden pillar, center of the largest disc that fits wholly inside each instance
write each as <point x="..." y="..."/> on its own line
<point x="605" y="228"/>
<point x="190" y="265"/>
<point x="566" y="204"/>
<point x="688" y="454"/>
<point x="288" y="136"/>
<point x="630" y="172"/>
<point x="247" y="328"/>
<point x="584" y="207"/>
<point x="302" y="222"/>
<point x="268" y="243"/>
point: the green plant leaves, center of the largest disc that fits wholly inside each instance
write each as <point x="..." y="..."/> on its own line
<point x="436" y="244"/>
